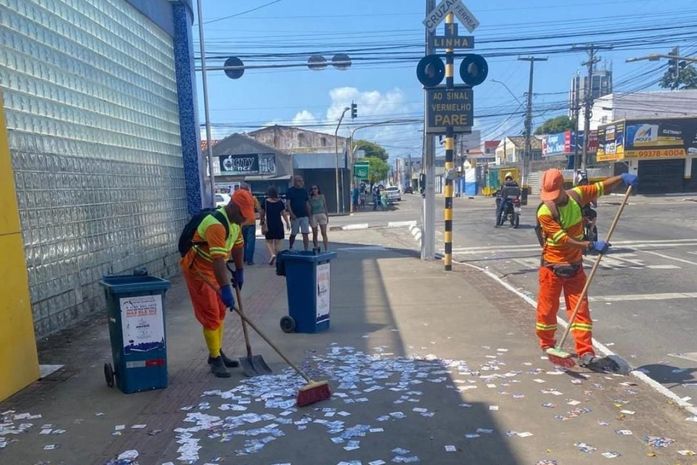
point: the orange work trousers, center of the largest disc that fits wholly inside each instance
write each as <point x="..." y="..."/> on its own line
<point x="208" y="307"/>
<point x="551" y="287"/>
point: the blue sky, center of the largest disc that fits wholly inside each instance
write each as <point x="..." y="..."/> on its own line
<point x="386" y="39"/>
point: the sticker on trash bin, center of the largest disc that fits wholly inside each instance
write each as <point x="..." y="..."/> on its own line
<point x="142" y="323"/>
<point x="322" y="292"/>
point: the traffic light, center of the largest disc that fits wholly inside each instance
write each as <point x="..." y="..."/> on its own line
<point x="354" y="110"/>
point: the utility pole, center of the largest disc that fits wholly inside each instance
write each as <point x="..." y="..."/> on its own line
<point x="576" y="112"/>
<point x="588" y="96"/>
<point x="428" y="221"/>
<point x="528" y="121"/>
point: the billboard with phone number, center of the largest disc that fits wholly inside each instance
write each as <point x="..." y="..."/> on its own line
<point x="647" y="138"/>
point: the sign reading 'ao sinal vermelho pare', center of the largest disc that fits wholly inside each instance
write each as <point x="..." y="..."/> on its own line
<point x="449" y="107"/>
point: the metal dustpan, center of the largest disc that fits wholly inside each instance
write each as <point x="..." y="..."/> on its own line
<point x="252" y="365"/>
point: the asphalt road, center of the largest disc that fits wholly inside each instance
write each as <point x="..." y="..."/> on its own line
<point x="644" y="297"/>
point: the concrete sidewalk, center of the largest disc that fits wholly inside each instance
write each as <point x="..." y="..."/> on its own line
<point x="426" y="366"/>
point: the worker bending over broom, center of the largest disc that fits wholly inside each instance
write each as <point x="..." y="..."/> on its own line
<point x="217" y="237"/>
<point x="560" y="220"/>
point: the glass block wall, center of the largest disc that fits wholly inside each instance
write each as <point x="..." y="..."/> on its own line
<point x="91" y="106"/>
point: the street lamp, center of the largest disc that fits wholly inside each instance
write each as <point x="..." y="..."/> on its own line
<point x="522" y="159"/>
<point x="336" y="145"/>
<point x="509" y="90"/>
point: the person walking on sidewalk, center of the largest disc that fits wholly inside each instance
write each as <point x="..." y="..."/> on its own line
<point x="249" y="231"/>
<point x="560" y="217"/>
<point x="298" y="207"/>
<point x="319" y="218"/>
<point x="207" y="277"/>
<point x="273" y="215"/>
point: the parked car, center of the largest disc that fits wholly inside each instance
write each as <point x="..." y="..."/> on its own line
<point x="393" y="193"/>
<point x="408" y="190"/>
<point x="221" y="199"/>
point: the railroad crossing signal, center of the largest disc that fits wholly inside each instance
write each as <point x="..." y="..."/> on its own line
<point x="473" y="69"/>
<point x="430" y="71"/>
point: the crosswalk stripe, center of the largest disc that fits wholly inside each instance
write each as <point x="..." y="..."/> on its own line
<point x="668" y="257"/>
<point x="632" y="297"/>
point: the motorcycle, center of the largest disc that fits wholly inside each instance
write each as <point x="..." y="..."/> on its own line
<point x="510" y="212"/>
<point x="590" y="231"/>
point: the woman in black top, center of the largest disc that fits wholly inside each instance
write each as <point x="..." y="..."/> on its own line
<point x="273" y="215"/>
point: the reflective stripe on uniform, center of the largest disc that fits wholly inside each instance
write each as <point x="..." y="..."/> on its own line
<point x="544" y="327"/>
<point x="582" y="326"/>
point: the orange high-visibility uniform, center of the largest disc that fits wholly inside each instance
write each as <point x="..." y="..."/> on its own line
<point x="197" y="266"/>
<point x="557" y="251"/>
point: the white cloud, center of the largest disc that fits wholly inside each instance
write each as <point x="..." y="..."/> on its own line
<point x="375" y="106"/>
<point x="390" y="104"/>
<point x="303" y="118"/>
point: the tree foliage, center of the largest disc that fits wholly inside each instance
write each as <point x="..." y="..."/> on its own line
<point x="687" y="79"/>
<point x="555" y="125"/>
<point x="377" y="169"/>
<point x="371" y="149"/>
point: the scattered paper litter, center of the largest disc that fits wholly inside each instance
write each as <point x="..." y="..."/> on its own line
<point x="658" y="441"/>
<point x="610" y="454"/>
<point x="687" y="452"/>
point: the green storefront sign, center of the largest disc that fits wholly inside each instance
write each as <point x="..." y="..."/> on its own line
<point x="360" y="170"/>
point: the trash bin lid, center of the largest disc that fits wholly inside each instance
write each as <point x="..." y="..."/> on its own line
<point x="130" y="284"/>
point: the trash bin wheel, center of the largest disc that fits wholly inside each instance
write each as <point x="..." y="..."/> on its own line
<point x="109" y="374"/>
<point x="288" y="324"/>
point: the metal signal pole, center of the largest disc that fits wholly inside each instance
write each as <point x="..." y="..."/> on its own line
<point x="449" y="165"/>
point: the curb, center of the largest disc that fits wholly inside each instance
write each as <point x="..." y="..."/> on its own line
<point x="359" y="226"/>
<point x="650" y="382"/>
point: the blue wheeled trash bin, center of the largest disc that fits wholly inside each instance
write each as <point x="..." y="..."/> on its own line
<point x="308" y="283"/>
<point x="135" y="306"/>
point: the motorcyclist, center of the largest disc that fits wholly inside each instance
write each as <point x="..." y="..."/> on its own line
<point x="508" y="191"/>
<point x="590" y="216"/>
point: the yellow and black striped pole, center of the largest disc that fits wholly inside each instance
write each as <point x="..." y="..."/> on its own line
<point x="449" y="165"/>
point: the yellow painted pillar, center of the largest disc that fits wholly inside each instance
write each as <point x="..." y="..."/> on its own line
<point x="19" y="364"/>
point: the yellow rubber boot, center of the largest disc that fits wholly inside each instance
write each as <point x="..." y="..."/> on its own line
<point x="212" y="337"/>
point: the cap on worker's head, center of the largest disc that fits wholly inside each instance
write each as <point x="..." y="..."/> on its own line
<point x="508" y="175"/>
<point x="243" y="199"/>
<point x="551" y="185"/>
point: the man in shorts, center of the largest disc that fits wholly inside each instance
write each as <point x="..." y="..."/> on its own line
<point x="298" y="206"/>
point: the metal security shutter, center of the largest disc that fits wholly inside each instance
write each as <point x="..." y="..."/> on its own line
<point x="661" y="176"/>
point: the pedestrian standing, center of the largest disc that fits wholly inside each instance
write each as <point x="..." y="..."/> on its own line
<point x="249" y="231"/>
<point x="206" y="274"/>
<point x="273" y="215"/>
<point x="561" y="219"/>
<point x="298" y="206"/>
<point x="319" y="218"/>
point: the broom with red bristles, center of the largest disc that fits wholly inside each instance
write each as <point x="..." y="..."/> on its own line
<point x="313" y="391"/>
<point x="557" y="355"/>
